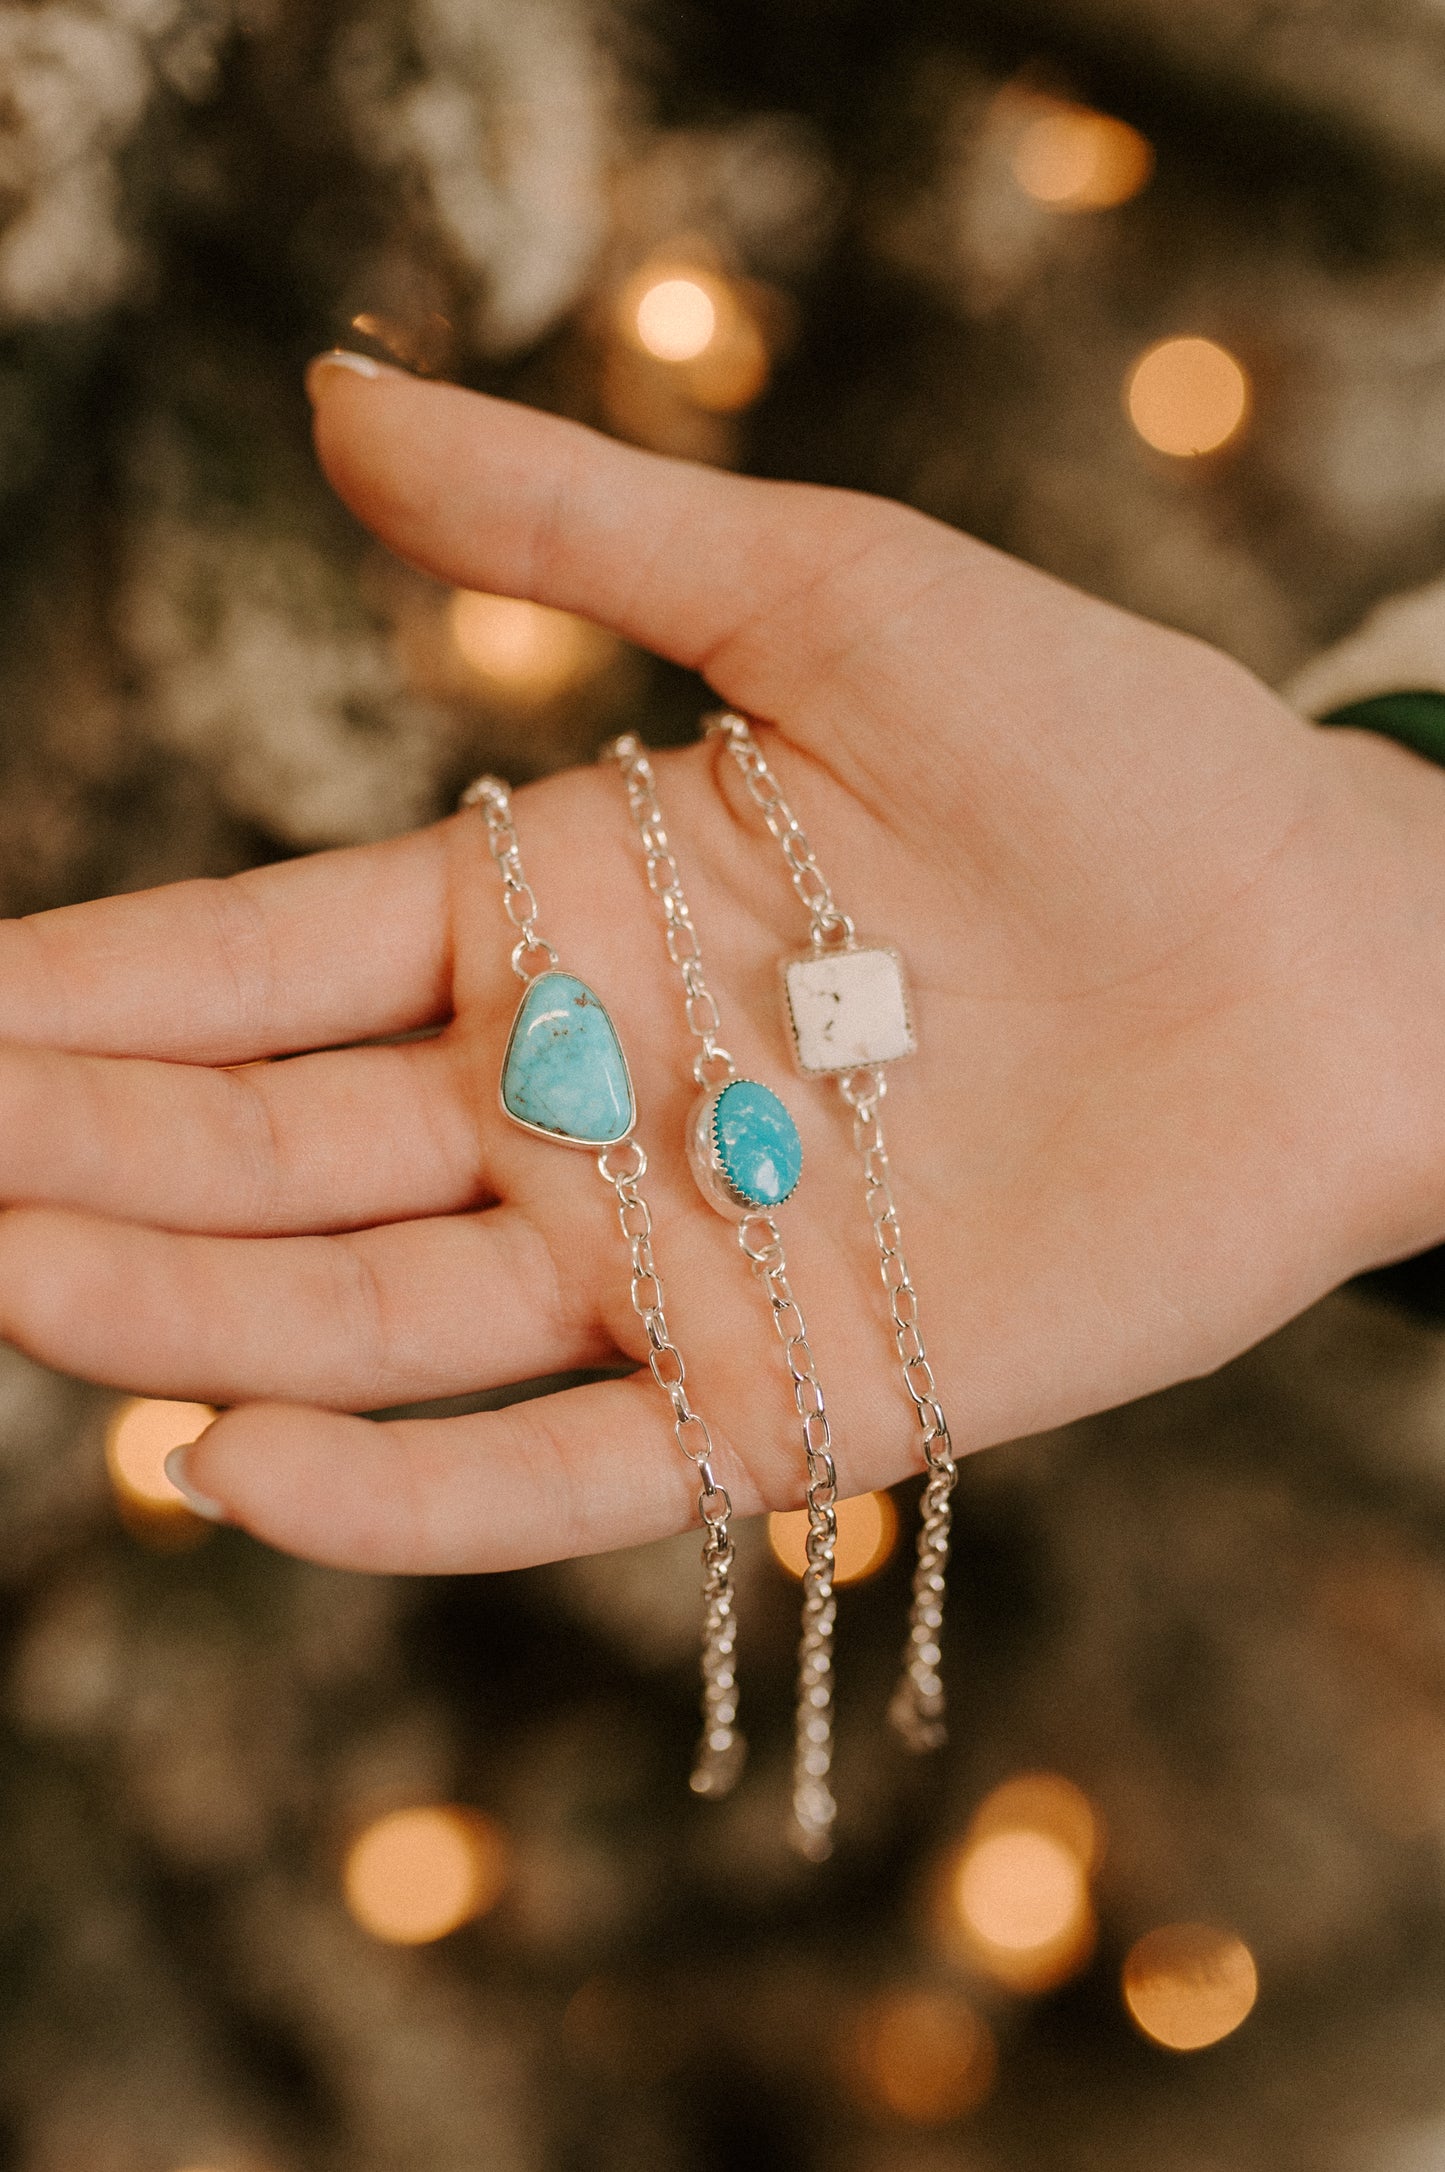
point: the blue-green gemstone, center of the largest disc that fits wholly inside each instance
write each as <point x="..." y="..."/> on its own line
<point x="757" y="1143"/>
<point x="564" y="1071"/>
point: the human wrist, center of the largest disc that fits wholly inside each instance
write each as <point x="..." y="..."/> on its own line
<point x="1382" y="897"/>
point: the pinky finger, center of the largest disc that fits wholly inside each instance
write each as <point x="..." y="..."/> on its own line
<point x="577" y="1472"/>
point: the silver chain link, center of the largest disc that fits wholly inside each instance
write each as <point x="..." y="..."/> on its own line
<point x="814" y="1808"/>
<point x="518" y="899"/>
<point x="829" y="928"/>
<point x="916" y="1711"/>
<point x="722" y="1750"/>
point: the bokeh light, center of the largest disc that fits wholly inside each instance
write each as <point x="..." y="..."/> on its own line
<point x="1019" y="1891"/>
<point x="867" y="1535"/>
<point x="1187" y="396"/>
<point x="692" y="341"/>
<point x="922" y="2055"/>
<point x="1188" y="1985"/>
<point x="733" y="370"/>
<point x="417" y="1874"/>
<point x="1044" y="1802"/>
<point x="1074" y="159"/>
<point x="140" y="1435"/>
<point x="1016" y="1892"/>
<point x="526" y="651"/>
<point x="676" y="317"/>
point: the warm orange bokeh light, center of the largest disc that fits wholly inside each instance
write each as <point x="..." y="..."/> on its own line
<point x="1186" y="397"/>
<point x="1189" y="1984"/>
<point x="524" y="650"/>
<point x="1015" y="1898"/>
<point x="1020" y="1891"/>
<point x="417" y="1874"/>
<point x="923" y="2055"/>
<point x="140" y="1436"/>
<point x="704" y="327"/>
<point x="676" y="317"/>
<point x="1043" y="1802"/>
<point x="867" y="1534"/>
<point x="1074" y="159"/>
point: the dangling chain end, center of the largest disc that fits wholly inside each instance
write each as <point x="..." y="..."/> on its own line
<point x="811" y="1833"/>
<point x="918" y="1729"/>
<point x="718" y="1768"/>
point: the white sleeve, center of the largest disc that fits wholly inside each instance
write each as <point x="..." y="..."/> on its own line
<point x="1398" y="648"/>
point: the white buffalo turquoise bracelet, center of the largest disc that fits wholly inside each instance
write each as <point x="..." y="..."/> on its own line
<point x="848" y="1016"/>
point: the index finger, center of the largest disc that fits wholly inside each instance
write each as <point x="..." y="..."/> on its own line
<point x="339" y="946"/>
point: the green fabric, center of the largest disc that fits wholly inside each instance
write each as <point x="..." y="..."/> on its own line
<point x="1416" y="720"/>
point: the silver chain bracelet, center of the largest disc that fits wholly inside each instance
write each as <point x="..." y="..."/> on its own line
<point x="848" y="1012"/>
<point x="717" y="1141"/>
<point x="559" y="1014"/>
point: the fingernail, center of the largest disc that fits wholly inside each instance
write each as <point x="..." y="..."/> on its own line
<point x="342" y="358"/>
<point x="200" y="1502"/>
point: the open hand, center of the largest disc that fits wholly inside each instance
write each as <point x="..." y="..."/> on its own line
<point x="1177" y="969"/>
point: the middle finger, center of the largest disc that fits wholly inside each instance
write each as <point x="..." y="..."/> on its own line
<point x="400" y="1314"/>
<point x="338" y="1140"/>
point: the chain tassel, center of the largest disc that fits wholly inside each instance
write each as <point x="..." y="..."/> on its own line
<point x="721" y="1752"/>
<point x="917" y="1707"/>
<point x="814" y="1808"/>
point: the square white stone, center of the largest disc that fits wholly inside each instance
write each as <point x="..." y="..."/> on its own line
<point x="848" y="1009"/>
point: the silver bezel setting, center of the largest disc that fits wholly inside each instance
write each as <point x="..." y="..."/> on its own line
<point x="540" y="1131"/>
<point x="813" y="956"/>
<point x="705" y="1157"/>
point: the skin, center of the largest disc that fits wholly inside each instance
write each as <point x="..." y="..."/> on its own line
<point x="1178" y="963"/>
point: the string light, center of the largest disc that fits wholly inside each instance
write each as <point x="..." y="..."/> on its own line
<point x="1074" y="159"/>
<point x="1187" y="396"/>
<point x="1188" y="1985"/>
<point x="1016" y="1892"/>
<point x="417" y="1874"/>
<point x="703" y="329"/>
<point x="923" y="2055"/>
<point x="1044" y="1802"/>
<point x="526" y="651"/>
<point x="867" y="1534"/>
<point x="676" y="317"/>
<point x="141" y="1434"/>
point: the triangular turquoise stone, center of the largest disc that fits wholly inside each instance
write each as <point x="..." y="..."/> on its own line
<point x="564" y="1071"/>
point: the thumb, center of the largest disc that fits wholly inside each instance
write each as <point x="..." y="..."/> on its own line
<point x="762" y="587"/>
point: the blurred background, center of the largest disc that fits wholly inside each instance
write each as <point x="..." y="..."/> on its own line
<point x="306" y="1872"/>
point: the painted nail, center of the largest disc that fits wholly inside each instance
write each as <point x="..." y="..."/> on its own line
<point x="342" y="358"/>
<point x="200" y="1502"/>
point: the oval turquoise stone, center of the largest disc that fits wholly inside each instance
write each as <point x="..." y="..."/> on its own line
<point x="563" y="1071"/>
<point x="757" y="1143"/>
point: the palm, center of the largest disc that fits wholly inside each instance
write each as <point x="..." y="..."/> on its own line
<point x="1123" y="880"/>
